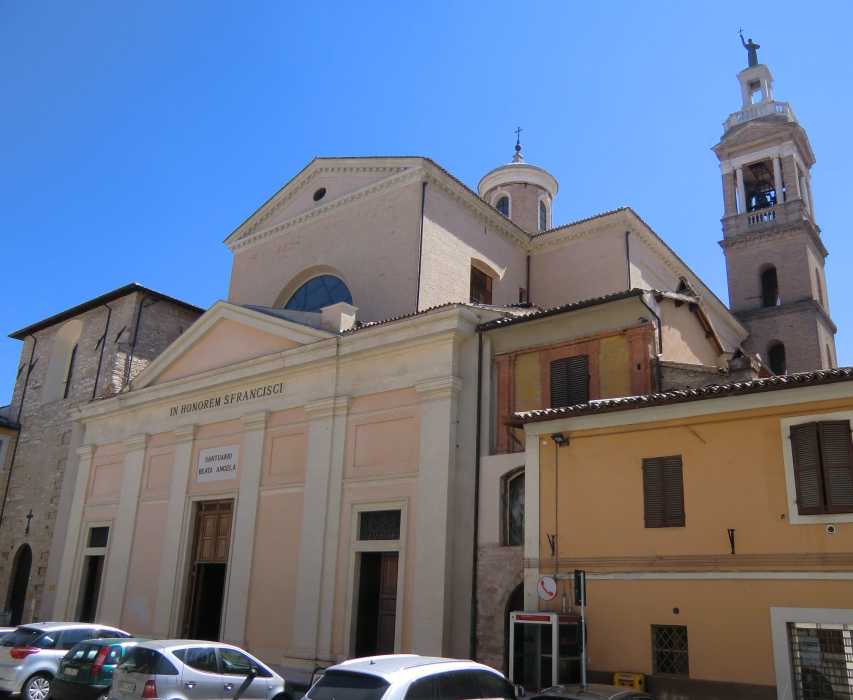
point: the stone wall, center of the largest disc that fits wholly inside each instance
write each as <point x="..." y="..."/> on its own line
<point x="36" y="477"/>
<point x="499" y="572"/>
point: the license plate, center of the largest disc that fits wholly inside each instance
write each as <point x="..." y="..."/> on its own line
<point x="70" y="672"/>
<point x="126" y="687"/>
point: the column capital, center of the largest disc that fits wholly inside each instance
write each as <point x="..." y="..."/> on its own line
<point x="325" y="408"/>
<point x="439" y="389"/>
<point x="136" y="442"/>
<point x="255" y="421"/>
<point x="86" y="452"/>
<point x="185" y="433"/>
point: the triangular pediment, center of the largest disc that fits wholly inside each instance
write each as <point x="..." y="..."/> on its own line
<point x="225" y="336"/>
<point x="336" y="178"/>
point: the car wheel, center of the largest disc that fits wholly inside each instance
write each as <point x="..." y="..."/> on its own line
<point x="283" y="696"/>
<point x="104" y="695"/>
<point x="36" y="688"/>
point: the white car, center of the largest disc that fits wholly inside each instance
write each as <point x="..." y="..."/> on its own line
<point x="411" y="677"/>
<point x="30" y="655"/>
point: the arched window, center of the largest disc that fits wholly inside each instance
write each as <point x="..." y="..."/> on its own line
<point x="514" y="509"/>
<point x="543" y="216"/>
<point x="828" y="356"/>
<point x="769" y="287"/>
<point x="63" y="355"/>
<point x="777" y="359"/>
<point x="319" y="292"/>
<point x="502" y="205"/>
<point x="17" y="595"/>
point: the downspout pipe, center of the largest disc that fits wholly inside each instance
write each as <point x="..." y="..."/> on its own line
<point x="628" y="260"/>
<point x="528" y="279"/>
<point x="660" y="341"/>
<point x="472" y="649"/>
<point x="30" y="366"/>
<point x="421" y="246"/>
<point x="103" y="345"/>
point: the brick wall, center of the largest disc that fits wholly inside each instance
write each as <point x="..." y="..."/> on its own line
<point x="499" y="572"/>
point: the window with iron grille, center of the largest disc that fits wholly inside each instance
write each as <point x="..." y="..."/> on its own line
<point x="663" y="492"/>
<point x="481" y="287"/>
<point x="98" y="536"/>
<point x="823" y="467"/>
<point x="669" y="650"/>
<point x="570" y="381"/>
<point x="379" y="525"/>
<point x="821" y="660"/>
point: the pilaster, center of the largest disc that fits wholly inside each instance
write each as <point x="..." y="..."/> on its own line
<point x="531" y="520"/>
<point x="234" y="627"/>
<point x="168" y="587"/>
<point x="319" y="533"/>
<point x="434" y="546"/>
<point x="63" y="607"/>
<point x="121" y="544"/>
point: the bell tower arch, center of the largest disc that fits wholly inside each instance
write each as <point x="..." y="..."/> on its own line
<point x="774" y="252"/>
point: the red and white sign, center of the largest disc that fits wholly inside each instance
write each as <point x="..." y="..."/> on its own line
<point x="547" y="588"/>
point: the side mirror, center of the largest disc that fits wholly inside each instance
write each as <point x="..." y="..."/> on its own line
<point x="520" y="692"/>
<point x="253" y="672"/>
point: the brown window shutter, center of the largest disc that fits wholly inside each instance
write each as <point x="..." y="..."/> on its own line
<point x="578" y="379"/>
<point x="673" y="491"/>
<point x="653" y="492"/>
<point x="835" y="448"/>
<point x="807" y="473"/>
<point x="559" y="383"/>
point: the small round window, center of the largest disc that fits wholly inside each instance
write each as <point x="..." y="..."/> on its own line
<point x="318" y="293"/>
<point x="319" y="194"/>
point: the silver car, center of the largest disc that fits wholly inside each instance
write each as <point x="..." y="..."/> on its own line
<point x="182" y="669"/>
<point x="30" y="655"/>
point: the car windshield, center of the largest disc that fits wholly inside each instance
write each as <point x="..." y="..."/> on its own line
<point x="23" y="637"/>
<point x="343" y="685"/>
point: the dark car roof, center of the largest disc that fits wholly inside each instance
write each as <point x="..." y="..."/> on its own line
<point x="592" y="691"/>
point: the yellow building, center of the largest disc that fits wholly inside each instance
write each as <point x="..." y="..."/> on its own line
<point x="715" y="526"/>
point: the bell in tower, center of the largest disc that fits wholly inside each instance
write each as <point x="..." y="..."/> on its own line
<point x="771" y="240"/>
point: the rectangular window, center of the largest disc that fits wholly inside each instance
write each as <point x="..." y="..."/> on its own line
<point x="98" y="536"/>
<point x="481" y="287"/>
<point x="820" y="660"/>
<point x="379" y="525"/>
<point x="570" y="381"/>
<point x="669" y="650"/>
<point x="663" y="491"/>
<point x="823" y="467"/>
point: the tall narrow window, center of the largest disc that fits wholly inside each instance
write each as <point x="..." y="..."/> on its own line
<point x="819" y="286"/>
<point x="515" y="510"/>
<point x="543" y="216"/>
<point x="70" y="372"/>
<point x="663" y="492"/>
<point x="502" y="205"/>
<point x="769" y="287"/>
<point x="823" y="467"/>
<point x="777" y="359"/>
<point x="570" y="381"/>
<point x="481" y="287"/>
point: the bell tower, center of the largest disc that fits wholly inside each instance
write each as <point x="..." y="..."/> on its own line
<point x="771" y="240"/>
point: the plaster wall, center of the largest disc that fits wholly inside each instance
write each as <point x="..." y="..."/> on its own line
<point x="684" y="338"/>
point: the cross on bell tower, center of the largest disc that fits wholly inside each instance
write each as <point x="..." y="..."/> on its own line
<point x="771" y="240"/>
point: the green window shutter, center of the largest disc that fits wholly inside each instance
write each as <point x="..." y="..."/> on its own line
<point x="807" y="471"/>
<point x="835" y="448"/>
<point x="673" y="491"/>
<point x="653" y="492"/>
<point x="570" y="381"/>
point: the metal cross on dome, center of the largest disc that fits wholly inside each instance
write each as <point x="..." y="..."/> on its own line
<point x="518" y="136"/>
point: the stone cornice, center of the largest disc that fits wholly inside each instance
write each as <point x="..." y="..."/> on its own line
<point x="794" y="561"/>
<point x="86" y="452"/>
<point x="186" y="433"/>
<point x="256" y="420"/>
<point x="791" y="308"/>
<point x="439" y="389"/>
<point x="136" y="442"/>
<point x="781" y="233"/>
<point x="326" y="408"/>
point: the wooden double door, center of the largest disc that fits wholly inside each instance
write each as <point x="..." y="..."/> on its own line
<point x="208" y="570"/>
<point x="377" y="604"/>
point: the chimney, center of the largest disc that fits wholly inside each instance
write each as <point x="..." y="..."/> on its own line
<point x="338" y="318"/>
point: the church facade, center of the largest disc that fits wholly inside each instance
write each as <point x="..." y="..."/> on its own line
<point x="325" y="465"/>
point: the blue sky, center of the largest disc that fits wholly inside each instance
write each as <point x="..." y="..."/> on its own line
<point x="135" y="136"/>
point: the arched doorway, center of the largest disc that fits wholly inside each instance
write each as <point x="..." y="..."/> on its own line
<point x="514" y="604"/>
<point x="18" y="584"/>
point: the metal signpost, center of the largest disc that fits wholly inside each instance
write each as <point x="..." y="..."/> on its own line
<point x="580" y="598"/>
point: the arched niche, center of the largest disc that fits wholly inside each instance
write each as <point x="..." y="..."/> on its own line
<point x="18" y="582"/>
<point x="61" y="354"/>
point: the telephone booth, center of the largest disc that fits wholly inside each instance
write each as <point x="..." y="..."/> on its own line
<point x="544" y="649"/>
